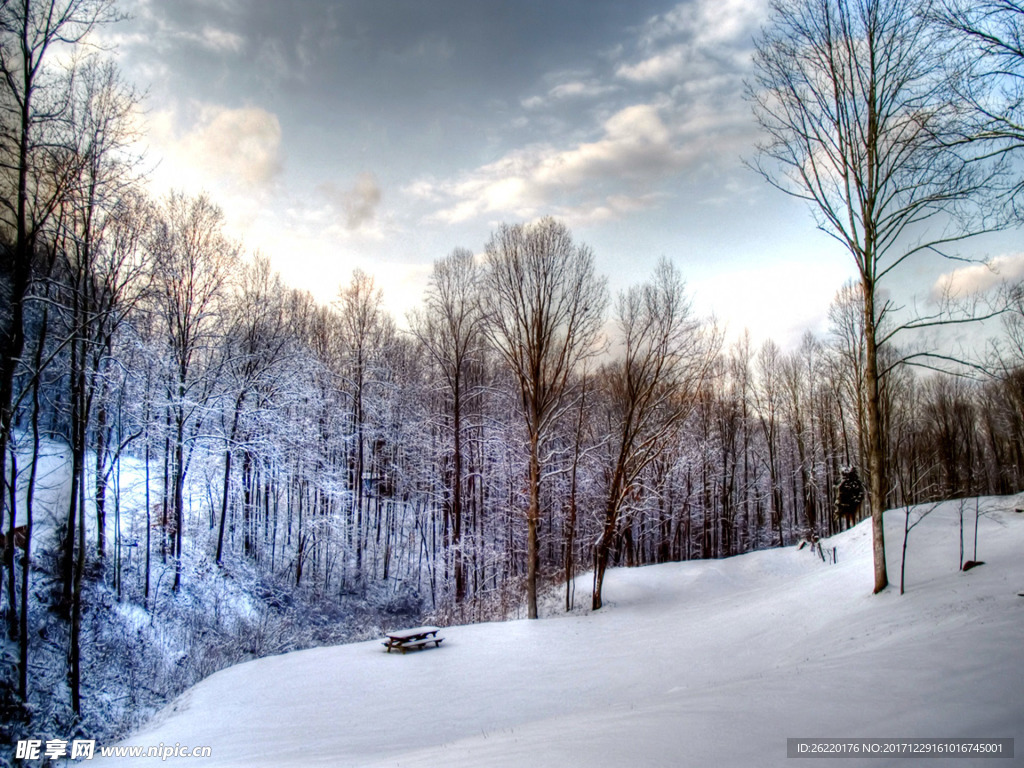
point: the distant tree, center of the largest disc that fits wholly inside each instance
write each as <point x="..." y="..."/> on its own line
<point x="449" y="328"/>
<point x="193" y="261"/>
<point x="667" y="353"/>
<point x="255" y="341"/>
<point x="768" y="403"/>
<point x="862" y="119"/>
<point x="544" y="307"/>
<point x="798" y="377"/>
<point x="741" y="374"/>
<point x="846" y="344"/>
<point x="366" y="333"/>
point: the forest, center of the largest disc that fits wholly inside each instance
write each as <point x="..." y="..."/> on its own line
<point x="207" y="465"/>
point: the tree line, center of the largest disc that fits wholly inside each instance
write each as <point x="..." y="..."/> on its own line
<point x="521" y="426"/>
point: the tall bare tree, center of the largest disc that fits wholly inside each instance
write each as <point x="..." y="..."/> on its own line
<point x="544" y="309"/>
<point x="367" y="334"/>
<point x="103" y="259"/>
<point x="450" y="330"/>
<point x="193" y="261"/>
<point x="37" y="168"/>
<point x="862" y="121"/>
<point x="666" y="356"/>
<point x="254" y="344"/>
<point x="768" y="403"/>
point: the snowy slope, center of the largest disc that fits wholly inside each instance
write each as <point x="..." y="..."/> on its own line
<point x="704" y="664"/>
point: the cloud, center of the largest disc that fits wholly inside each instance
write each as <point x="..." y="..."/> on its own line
<point x="358" y="203"/>
<point x="218" y="40"/>
<point x="694" y="39"/>
<point x="240" y="144"/>
<point x="570" y="90"/>
<point x="635" y="148"/>
<point x="664" y="65"/>
<point x="640" y="148"/>
<point x="612" y="208"/>
<point x="666" y="101"/>
<point x="161" y="27"/>
<point x="235" y="152"/>
<point x="978" y="279"/>
<point x="705" y="23"/>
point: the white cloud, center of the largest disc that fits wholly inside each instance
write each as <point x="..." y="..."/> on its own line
<point x="237" y="148"/>
<point x="639" y="148"/>
<point x="155" y="29"/>
<point x="220" y="40"/>
<point x="611" y="208"/>
<point x="570" y="90"/>
<point x="977" y="279"/>
<point x="706" y="21"/>
<point x="669" y="100"/>
<point x="693" y="39"/>
<point x="636" y="148"/>
<point x="670" y="63"/>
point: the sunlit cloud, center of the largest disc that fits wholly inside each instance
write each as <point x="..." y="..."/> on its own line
<point x="665" y="102"/>
<point x="231" y="147"/>
<point x="635" y="147"/>
<point x="978" y="279"/>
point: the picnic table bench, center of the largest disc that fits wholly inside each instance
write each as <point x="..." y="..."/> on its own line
<point x="413" y="639"/>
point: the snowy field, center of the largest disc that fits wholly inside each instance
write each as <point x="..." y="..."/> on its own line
<point x="694" y="664"/>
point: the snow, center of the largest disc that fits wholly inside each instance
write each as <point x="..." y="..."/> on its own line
<point x="702" y="663"/>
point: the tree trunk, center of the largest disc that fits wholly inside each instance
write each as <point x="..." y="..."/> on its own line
<point x="532" y="524"/>
<point x="602" y="552"/>
<point x="876" y="457"/>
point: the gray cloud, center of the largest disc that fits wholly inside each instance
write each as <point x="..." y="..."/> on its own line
<point x="358" y="203"/>
<point x="666" y="101"/>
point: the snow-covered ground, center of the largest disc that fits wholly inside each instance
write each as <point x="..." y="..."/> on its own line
<point x="702" y="664"/>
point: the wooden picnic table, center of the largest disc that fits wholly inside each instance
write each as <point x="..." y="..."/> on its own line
<point x="413" y="639"/>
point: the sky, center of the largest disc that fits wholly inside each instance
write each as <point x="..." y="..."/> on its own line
<point x="383" y="134"/>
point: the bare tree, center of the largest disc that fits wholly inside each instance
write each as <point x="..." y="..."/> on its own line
<point x="36" y="167"/>
<point x="102" y="270"/>
<point x="768" y="403"/>
<point x="862" y="122"/>
<point x="193" y="260"/>
<point x="994" y="30"/>
<point x="255" y="342"/>
<point x="799" y="374"/>
<point x="544" y="310"/>
<point x="650" y="389"/>
<point x="450" y="330"/>
<point x="367" y="333"/>
<point x="846" y="331"/>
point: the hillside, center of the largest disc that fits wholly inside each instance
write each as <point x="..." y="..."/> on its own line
<point x="701" y="663"/>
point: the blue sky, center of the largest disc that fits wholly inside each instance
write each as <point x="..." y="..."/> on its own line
<point x="381" y="135"/>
